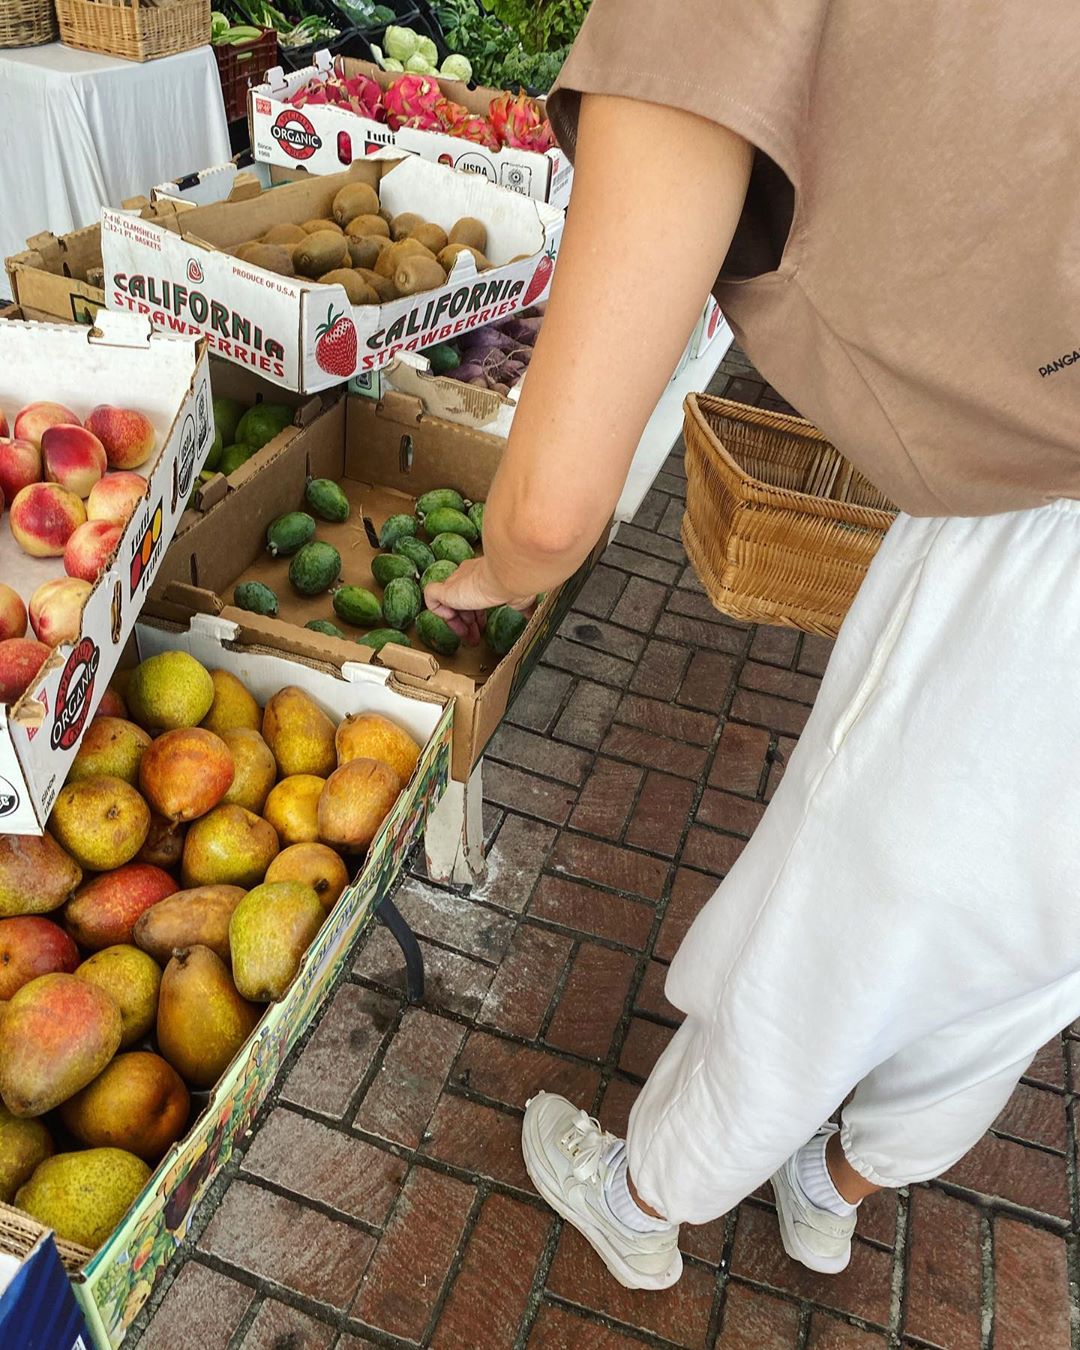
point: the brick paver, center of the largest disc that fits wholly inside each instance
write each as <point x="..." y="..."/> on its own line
<point x="382" y="1201"/>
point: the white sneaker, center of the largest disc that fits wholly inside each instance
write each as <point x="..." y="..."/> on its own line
<point x="814" y="1236"/>
<point x="565" y="1154"/>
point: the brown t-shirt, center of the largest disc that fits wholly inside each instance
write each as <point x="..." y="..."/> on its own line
<point x="907" y="268"/>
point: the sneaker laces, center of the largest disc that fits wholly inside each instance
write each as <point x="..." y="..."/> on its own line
<point x="586" y="1145"/>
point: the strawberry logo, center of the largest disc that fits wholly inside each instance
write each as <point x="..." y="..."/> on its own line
<point x="194" y="271"/>
<point x="541" y="279"/>
<point x="335" y="348"/>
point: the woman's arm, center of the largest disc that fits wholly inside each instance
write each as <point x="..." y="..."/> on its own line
<point x="657" y="195"/>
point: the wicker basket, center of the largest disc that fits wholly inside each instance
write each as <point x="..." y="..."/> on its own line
<point x="136" y="30"/>
<point x="27" y="23"/>
<point x="779" y="526"/>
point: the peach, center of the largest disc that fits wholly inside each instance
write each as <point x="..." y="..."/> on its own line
<point x="20" y="661"/>
<point x="43" y="518"/>
<point x="12" y="614"/>
<point x="35" y="419"/>
<point x="128" y="436"/>
<point x="3" y="423"/>
<point x="20" y="465"/>
<point x="115" y="497"/>
<point x="56" y="609"/>
<point x="74" y="458"/>
<point x="90" y="548"/>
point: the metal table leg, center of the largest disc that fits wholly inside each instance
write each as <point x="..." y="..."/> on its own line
<point x="389" y="914"/>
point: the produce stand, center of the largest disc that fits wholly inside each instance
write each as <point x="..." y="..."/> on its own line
<point x="258" y="337"/>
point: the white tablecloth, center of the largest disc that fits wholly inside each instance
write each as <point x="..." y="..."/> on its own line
<point x="79" y="132"/>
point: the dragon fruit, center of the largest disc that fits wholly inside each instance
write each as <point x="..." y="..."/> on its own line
<point x="358" y="93"/>
<point x="459" y="121"/>
<point x="412" y="101"/>
<point x="518" y="122"/>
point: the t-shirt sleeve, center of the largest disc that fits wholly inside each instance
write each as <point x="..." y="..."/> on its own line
<point x="746" y="64"/>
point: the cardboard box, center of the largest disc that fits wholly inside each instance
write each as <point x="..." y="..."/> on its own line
<point x="325" y="138"/>
<point x="37" y="1306"/>
<point x="59" y="276"/>
<point x="485" y="409"/>
<point x="220" y="183"/>
<point x="304" y="335"/>
<point x="114" y="1282"/>
<point x="384" y="457"/>
<point x="118" y="362"/>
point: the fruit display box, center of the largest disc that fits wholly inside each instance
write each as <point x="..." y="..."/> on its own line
<point x="383" y="458"/>
<point x="302" y="334"/>
<point x="324" y="138"/>
<point x="114" y="1282"/>
<point x="40" y="734"/>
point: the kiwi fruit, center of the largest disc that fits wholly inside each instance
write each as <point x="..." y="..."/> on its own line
<point x="402" y="226"/>
<point x="284" y="234"/>
<point x="416" y="273"/>
<point x="385" y="214"/>
<point x="364" y="250"/>
<point x="355" y="199"/>
<point x="449" y="256"/>
<point x="320" y="252"/>
<point x="272" y="257"/>
<point x="431" y="236"/>
<point x="469" y="230"/>
<point x="390" y="257"/>
<point x="368" y="225"/>
<point x="314" y="226"/>
<point x="354" y="286"/>
<point x="383" y="287"/>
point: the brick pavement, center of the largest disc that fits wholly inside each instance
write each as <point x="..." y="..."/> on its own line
<point x="383" y="1201"/>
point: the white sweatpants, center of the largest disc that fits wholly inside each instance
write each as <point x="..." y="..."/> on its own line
<point x="905" y="920"/>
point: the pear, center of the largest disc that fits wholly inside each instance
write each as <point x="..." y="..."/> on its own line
<point x="199" y="917"/>
<point x="299" y="733"/>
<point x="111" y="746"/>
<point x="202" y="1021"/>
<point x="270" y="930"/>
<point x="139" y="1104"/>
<point x="255" y="769"/>
<point x="372" y="736"/>
<point x="354" y="803"/>
<point x="104" y="911"/>
<point x="233" y="707"/>
<point x="169" y="690"/>
<point x="23" y="1144"/>
<point x="59" y="1032"/>
<point x="164" y="844"/>
<point x="36" y="875"/>
<point x="228" y="847"/>
<point x="292" y="808"/>
<point x="83" y="1196"/>
<point x="316" y="866"/>
<point x="102" y="822"/>
<point x="132" y="979"/>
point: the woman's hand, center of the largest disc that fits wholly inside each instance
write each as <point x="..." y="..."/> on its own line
<point x="464" y="599"/>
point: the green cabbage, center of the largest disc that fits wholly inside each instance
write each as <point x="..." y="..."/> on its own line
<point x="426" y="47"/>
<point x="388" y="63"/>
<point x="457" y="67"/>
<point x="401" y="43"/>
<point x="420" y="65"/>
